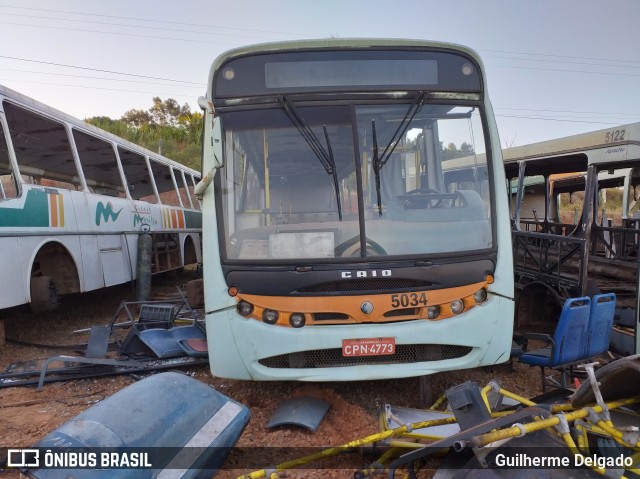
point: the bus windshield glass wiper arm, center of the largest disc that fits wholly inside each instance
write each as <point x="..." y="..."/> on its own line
<point x="377" y="165"/>
<point x="334" y="173"/>
<point x="326" y="158"/>
<point x="380" y="160"/>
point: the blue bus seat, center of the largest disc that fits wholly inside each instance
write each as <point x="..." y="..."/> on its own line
<point x="165" y="343"/>
<point x="567" y="345"/>
<point x="600" y="322"/>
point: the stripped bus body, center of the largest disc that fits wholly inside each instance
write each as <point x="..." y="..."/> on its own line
<point x="576" y="225"/>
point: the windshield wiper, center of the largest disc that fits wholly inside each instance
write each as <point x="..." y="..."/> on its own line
<point x="380" y="160"/>
<point x="326" y="158"/>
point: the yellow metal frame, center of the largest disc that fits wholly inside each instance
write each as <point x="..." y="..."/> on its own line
<point x="397" y="440"/>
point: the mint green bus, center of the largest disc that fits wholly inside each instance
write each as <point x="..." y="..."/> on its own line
<point x="339" y="242"/>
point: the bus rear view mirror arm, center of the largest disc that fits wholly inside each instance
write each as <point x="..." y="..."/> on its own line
<point x="204" y="183"/>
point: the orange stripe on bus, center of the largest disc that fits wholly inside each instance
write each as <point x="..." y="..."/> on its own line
<point x="174" y="218"/>
<point x="350" y="305"/>
<point x="61" y="204"/>
<point x="181" y="218"/>
<point x="53" y="209"/>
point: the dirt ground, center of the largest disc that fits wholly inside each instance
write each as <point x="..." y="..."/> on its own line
<point x="27" y="415"/>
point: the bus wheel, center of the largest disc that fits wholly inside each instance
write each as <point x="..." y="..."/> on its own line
<point x="44" y="296"/>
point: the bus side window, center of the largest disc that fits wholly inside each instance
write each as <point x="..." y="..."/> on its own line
<point x="633" y="205"/>
<point x="99" y="164"/>
<point x="182" y="188"/>
<point x="164" y="183"/>
<point x="191" y="182"/>
<point x="137" y="176"/>
<point x="570" y="207"/>
<point x="42" y="148"/>
<point x="533" y="208"/>
<point x="609" y="211"/>
<point x="8" y="185"/>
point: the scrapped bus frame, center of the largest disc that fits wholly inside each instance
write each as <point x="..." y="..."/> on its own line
<point x="73" y="201"/>
<point x="272" y="334"/>
<point x="588" y="250"/>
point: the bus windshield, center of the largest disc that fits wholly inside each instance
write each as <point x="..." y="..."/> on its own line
<point x="349" y="181"/>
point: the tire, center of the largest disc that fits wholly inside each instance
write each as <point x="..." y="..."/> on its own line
<point x="44" y="296"/>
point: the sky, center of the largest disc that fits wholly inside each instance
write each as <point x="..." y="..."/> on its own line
<point x="554" y="68"/>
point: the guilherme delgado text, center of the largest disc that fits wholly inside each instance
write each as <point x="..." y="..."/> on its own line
<point x="525" y="460"/>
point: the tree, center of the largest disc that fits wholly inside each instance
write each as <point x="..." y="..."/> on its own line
<point x="452" y="151"/>
<point x="166" y="123"/>
<point x="466" y="149"/>
<point x="137" y="118"/>
<point x="168" y="112"/>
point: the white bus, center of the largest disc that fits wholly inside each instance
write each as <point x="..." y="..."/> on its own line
<point x="335" y="246"/>
<point x="73" y="200"/>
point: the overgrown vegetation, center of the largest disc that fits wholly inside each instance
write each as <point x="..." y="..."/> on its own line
<point x="610" y="206"/>
<point x="448" y="152"/>
<point x="172" y="130"/>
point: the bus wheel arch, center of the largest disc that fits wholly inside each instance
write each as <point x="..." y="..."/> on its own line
<point x="53" y="272"/>
<point x="189" y="253"/>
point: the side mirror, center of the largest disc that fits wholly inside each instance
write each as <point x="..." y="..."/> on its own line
<point x="204" y="104"/>
<point x="212" y="148"/>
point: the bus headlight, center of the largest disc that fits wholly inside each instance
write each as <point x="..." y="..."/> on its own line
<point x="297" y="320"/>
<point x="244" y="308"/>
<point x="270" y="316"/>
<point x="433" y="312"/>
<point x="480" y="296"/>
<point x="457" y="306"/>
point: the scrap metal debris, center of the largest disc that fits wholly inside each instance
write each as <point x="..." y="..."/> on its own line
<point x="305" y="412"/>
<point x="490" y="432"/>
<point x="152" y="336"/>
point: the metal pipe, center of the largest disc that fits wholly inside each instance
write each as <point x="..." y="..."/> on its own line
<point x="345" y="447"/>
<point x="515" y="431"/>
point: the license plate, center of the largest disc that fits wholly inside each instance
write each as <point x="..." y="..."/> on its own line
<point x="368" y="347"/>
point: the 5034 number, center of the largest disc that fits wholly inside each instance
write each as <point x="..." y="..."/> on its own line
<point x="405" y="300"/>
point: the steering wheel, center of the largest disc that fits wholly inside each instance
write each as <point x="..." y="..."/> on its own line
<point x="421" y="193"/>
<point x="351" y="248"/>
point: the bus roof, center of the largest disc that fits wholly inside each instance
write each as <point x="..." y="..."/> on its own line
<point x="338" y="43"/>
<point x="610" y="145"/>
<point x="25" y="101"/>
